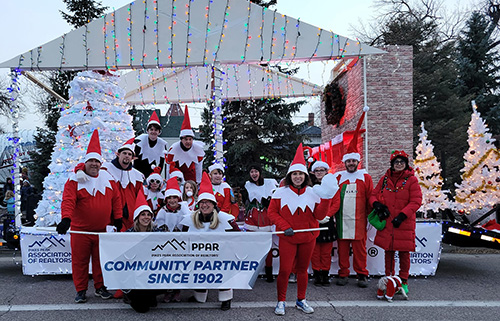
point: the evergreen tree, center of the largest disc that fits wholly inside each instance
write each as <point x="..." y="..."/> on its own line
<point x="81" y="12"/>
<point x="480" y="185"/>
<point x="478" y="66"/>
<point x="255" y="131"/>
<point x="428" y="173"/>
<point x="435" y="98"/>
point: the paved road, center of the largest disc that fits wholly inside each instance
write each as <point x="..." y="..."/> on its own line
<point x="466" y="287"/>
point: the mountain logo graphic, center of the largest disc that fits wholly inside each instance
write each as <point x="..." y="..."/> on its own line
<point x="49" y="241"/>
<point x="176" y="245"/>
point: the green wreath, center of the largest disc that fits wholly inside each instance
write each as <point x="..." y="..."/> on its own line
<point x="334" y="100"/>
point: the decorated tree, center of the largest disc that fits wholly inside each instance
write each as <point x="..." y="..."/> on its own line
<point x="480" y="185"/>
<point x="97" y="102"/>
<point x="428" y="172"/>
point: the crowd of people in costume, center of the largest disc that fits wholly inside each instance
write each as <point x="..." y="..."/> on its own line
<point x="149" y="187"/>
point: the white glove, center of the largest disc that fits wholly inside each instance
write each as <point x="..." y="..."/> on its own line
<point x="81" y="177"/>
<point x="325" y="220"/>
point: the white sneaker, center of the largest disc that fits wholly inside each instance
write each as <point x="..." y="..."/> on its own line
<point x="292" y="278"/>
<point x="304" y="306"/>
<point x="280" y="308"/>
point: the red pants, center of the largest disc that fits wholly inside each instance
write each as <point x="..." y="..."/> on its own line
<point x="322" y="256"/>
<point x="358" y="256"/>
<point x="84" y="247"/>
<point x="404" y="264"/>
<point x="301" y="254"/>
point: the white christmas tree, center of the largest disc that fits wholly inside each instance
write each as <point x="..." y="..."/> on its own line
<point x="428" y="172"/>
<point x="96" y="102"/>
<point x="480" y="185"/>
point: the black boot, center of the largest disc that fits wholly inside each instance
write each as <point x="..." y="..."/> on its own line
<point x="325" y="277"/>
<point x="269" y="274"/>
<point x="225" y="305"/>
<point x="317" y="277"/>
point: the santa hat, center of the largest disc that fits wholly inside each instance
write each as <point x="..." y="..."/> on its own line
<point x="318" y="164"/>
<point x="129" y="144"/>
<point x="155" y="175"/>
<point x="298" y="163"/>
<point x="215" y="166"/>
<point x="94" y="147"/>
<point x="206" y="191"/>
<point x="352" y="149"/>
<point x="399" y="153"/>
<point x="154" y="120"/>
<point x="141" y="205"/>
<point x="173" y="188"/>
<point x="175" y="172"/>
<point x="186" y="125"/>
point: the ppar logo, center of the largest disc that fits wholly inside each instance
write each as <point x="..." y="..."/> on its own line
<point x="173" y="243"/>
<point x="204" y="246"/>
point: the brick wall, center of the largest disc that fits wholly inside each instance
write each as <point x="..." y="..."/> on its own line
<point x="389" y="96"/>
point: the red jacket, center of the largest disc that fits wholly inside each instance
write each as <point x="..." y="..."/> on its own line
<point x="91" y="213"/>
<point x="309" y="209"/>
<point x="401" y="194"/>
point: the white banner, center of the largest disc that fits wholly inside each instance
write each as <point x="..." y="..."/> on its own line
<point x="424" y="260"/>
<point x="182" y="260"/>
<point x="44" y="252"/>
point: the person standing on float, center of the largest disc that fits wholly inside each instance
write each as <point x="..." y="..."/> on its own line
<point x="187" y="153"/>
<point x="150" y="149"/>
<point x="128" y="178"/>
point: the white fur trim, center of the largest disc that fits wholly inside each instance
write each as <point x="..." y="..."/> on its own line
<point x="154" y="176"/>
<point x="172" y="192"/>
<point x="289" y="198"/>
<point x="153" y="122"/>
<point x="140" y="209"/>
<point x="320" y="164"/>
<point x="177" y="174"/>
<point x="93" y="155"/>
<point x="206" y="196"/>
<point x="215" y="166"/>
<point x="130" y="147"/>
<point x="298" y="167"/>
<point x="186" y="132"/>
<point x="355" y="156"/>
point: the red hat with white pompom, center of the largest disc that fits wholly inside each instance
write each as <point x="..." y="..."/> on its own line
<point x="173" y="188"/>
<point x="352" y="149"/>
<point x="141" y="205"/>
<point x="298" y="163"/>
<point x="175" y="172"/>
<point x="155" y="175"/>
<point x="94" y="147"/>
<point x="186" y="129"/>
